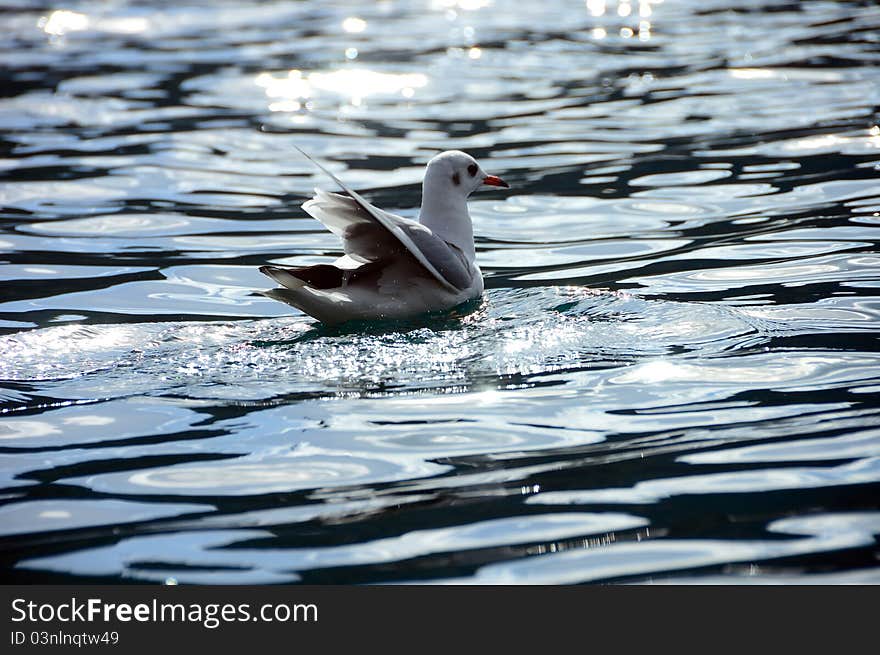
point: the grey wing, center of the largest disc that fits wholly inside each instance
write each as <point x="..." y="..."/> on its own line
<point x="363" y="239"/>
<point x="446" y="258"/>
<point x="349" y="218"/>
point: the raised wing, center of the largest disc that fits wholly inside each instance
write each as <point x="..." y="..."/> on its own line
<point x="365" y="229"/>
<point x="363" y="238"/>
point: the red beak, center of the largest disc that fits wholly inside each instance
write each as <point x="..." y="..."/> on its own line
<point x="491" y="180"/>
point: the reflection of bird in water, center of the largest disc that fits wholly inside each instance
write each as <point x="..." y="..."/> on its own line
<point x="393" y="267"/>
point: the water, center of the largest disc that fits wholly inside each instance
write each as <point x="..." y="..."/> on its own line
<point x="673" y="375"/>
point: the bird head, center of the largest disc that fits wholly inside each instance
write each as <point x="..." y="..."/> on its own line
<point x="458" y="173"/>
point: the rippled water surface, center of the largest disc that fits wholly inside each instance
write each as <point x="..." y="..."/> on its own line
<point x="673" y="375"/>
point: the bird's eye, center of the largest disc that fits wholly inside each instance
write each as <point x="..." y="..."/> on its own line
<point x="456" y="179"/>
<point x="472" y="169"/>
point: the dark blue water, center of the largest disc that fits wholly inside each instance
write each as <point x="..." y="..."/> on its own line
<point x="674" y="373"/>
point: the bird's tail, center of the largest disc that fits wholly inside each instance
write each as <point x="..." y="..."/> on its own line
<point x="296" y="292"/>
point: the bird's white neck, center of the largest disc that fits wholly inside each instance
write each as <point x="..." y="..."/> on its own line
<point x="444" y="211"/>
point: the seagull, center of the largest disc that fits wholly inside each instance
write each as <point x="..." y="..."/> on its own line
<point x="393" y="267"/>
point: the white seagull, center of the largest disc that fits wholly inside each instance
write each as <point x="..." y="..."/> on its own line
<point x="393" y="267"/>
